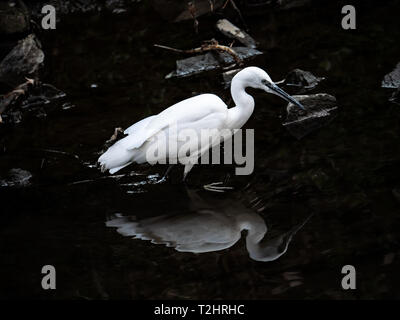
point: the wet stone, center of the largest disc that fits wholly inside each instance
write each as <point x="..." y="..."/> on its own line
<point x="194" y="65"/>
<point x="302" y="80"/>
<point x="14" y="18"/>
<point x="176" y="11"/>
<point x="16" y="178"/>
<point x="209" y="61"/>
<point x="22" y="61"/>
<point x="30" y="99"/>
<point x="231" y="31"/>
<point x="320" y="110"/>
<point x="392" y="80"/>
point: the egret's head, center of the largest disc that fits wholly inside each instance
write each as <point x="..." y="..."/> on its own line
<point x="255" y="77"/>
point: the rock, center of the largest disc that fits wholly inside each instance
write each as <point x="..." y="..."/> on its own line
<point x="81" y="6"/>
<point x="16" y="178"/>
<point x="231" y="31"/>
<point x="22" y="61"/>
<point x="320" y="110"/>
<point x="302" y="80"/>
<point x="209" y="61"/>
<point x="194" y="65"/>
<point x="290" y="4"/>
<point x="392" y="80"/>
<point x="14" y="18"/>
<point x="176" y="11"/>
<point x="280" y="4"/>
<point x="29" y="98"/>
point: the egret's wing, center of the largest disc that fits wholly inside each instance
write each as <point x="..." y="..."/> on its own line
<point x="202" y="111"/>
<point x="139" y="126"/>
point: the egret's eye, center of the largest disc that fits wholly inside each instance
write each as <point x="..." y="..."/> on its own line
<point x="266" y="83"/>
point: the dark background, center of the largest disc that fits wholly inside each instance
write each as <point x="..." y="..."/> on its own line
<point x="345" y="173"/>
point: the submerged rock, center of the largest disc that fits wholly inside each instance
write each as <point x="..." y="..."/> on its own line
<point x="231" y="31"/>
<point x="320" y="110"/>
<point x="29" y="98"/>
<point x="209" y="61"/>
<point x="14" y="17"/>
<point x="22" y="61"/>
<point x="262" y="5"/>
<point x="290" y="4"/>
<point x="392" y="79"/>
<point x="302" y="80"/>
<point x="176" y="11"/>
<point x="16" y="178"/>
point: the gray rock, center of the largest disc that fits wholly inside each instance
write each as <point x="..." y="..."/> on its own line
<point x="14" y="18"/>
<point x="22" y="61"/>
<point x="194" y="65"/>
<point x="16" y="178"/>
<point x="392" y="80"/>
<point x="231" y="31"/>
<point x="176" y="11"/>
<point x="209" y="61"/>
<point x="320" y="110"/>
<point x="290" y="4"/>
<point x="302" y="80"/>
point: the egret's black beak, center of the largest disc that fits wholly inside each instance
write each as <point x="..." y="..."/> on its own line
<point x="278" y="91"/>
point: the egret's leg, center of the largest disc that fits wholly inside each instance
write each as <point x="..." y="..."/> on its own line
<point x="164" y="177"/>
<point x="216" y="187"/>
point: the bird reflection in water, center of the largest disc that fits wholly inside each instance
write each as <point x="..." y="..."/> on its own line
<point x="207" y="228"/>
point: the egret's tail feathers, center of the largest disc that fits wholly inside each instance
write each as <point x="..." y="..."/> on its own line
<point x="115" y="158"/>
<point x="114" y="170"/>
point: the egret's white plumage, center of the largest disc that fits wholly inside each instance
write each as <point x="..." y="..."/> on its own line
<point x="205" y="111"/>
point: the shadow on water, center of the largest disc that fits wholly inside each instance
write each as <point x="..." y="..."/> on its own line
<point x="346" y="173"/>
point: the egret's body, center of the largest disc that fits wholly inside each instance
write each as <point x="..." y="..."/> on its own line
<point x="205" y="111"/>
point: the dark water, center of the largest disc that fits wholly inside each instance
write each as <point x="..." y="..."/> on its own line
<point x="346" y="173"/>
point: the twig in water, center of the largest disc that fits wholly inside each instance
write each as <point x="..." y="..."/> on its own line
<point x="211" y="45"/>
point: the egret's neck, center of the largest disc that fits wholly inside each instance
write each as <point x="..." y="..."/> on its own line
<point x="244" y="102"/>
<point x="256" y="231"/>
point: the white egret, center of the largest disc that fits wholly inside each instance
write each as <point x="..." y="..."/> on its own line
<point x="207" y="229"/>
<point x="202" y="112"/>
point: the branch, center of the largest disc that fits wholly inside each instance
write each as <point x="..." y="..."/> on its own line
<point x="212" y="45"/>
